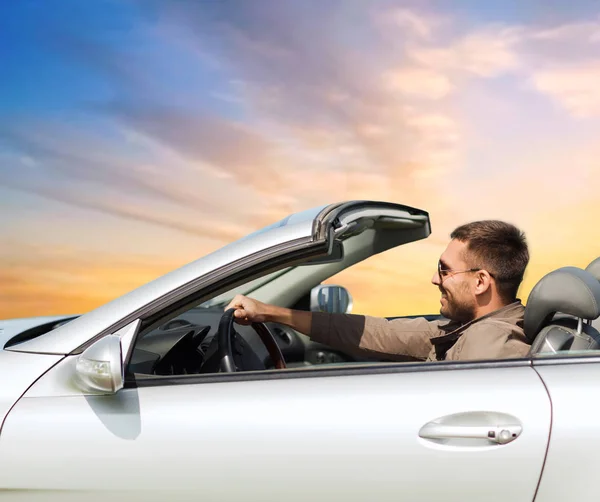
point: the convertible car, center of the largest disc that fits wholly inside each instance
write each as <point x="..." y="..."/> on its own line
<point x="159" y="395"/>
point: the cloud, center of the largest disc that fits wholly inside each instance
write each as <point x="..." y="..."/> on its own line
<point x="81" y="170"/>
<point x="284" y="69"/>
<point x="563" y="63"/>
<point x="301" y="96"/>
<point x="297" y="70"/>
<point x="429" y="124"/>
<point x="292" y="49"/>
<point x="158" y="171"/>
<point x="587" y="31"/>
<point x="558" y="61"/>
<point x="236" y="99"/>
<point x="487" y="52"/>
<point x="216" y="228"/>
<point x="231" y="147"/>
<point x="573" y="87"/>
<point x="51" y="150"/>
<point x="419" y="82"/>
<point x="418" y="25"/>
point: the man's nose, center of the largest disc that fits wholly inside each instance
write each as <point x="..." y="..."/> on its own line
<point x="436" y="279"/>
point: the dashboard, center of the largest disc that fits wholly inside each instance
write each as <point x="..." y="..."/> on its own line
<point x="187" y="344"/>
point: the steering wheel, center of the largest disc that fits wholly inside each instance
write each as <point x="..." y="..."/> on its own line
<point x="226" y="333"/>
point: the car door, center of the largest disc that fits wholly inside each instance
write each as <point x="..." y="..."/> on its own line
<point x="386" y="432"/>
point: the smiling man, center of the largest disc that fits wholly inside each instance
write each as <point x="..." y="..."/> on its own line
<point x="478" y="276"/>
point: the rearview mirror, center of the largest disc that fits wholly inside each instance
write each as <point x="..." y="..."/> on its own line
<point x="100" y="367"/>
<point x="331" y="299"/>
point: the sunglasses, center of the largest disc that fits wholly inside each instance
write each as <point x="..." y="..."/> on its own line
<point x="445" y="272"/>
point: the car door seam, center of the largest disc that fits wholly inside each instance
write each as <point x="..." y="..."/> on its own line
<point x="549" y="433"/>
<point x="7" y="414"/>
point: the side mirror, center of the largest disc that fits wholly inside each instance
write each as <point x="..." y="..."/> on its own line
<point x="331" y="299"/>
<point x="99" y="368"/>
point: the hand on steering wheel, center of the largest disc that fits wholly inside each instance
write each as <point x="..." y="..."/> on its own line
<point x="226" y="333"/>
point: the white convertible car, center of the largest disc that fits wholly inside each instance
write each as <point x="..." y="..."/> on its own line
<point x="159" y="396"/>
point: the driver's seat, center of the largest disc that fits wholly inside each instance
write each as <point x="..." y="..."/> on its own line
<point x="559" y="311"/>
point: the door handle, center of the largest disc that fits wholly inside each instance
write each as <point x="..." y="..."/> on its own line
<point x="500" y="434"/>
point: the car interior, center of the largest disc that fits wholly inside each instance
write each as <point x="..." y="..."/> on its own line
<point x="559" y="318"/>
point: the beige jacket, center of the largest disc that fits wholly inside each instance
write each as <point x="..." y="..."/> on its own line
<point x="498" y="335"/>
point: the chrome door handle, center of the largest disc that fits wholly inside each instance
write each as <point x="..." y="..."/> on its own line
<point x="500" y="434"/>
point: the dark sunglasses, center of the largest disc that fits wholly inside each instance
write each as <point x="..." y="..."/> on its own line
<point x="445" y="272"/>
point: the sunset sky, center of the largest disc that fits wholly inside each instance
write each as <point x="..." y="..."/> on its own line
<point x="138" y="136"/>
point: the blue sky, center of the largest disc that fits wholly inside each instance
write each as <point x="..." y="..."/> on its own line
<point x="47" y="67"/>
<point x="153" y="132"/>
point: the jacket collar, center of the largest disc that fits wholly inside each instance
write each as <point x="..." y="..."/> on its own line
<point x="452" y="330"/>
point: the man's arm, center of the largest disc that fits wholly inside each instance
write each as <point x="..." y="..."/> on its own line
<point x="363" y="336"/>
<point x="367" y="336"/>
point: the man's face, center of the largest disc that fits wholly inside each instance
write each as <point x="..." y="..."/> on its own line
<point x="458" y="300"/>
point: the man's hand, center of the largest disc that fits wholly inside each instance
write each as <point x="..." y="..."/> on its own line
<point x="248" y="310"/>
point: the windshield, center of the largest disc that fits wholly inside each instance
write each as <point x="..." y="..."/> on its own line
<point x="246" y="289"/>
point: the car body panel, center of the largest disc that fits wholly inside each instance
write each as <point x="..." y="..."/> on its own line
<point x="312" y="231"/>
<point x="17" y="373"/>
<point x="354" y="437"/>
<point x="573" y="461"/>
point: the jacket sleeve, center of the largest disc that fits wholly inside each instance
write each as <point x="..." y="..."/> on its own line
<point x="491" y="341"/>
<point x="365" y="336"/>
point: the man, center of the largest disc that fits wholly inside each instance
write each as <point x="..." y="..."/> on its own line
<point x="478" y="276"/>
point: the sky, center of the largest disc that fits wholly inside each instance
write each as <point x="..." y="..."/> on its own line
<point x="137" y="136"/>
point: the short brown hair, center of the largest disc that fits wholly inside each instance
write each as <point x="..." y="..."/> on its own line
<point x="498" y="247"/>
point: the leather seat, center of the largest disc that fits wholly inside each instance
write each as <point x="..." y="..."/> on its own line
<point x="559" y="311"/>
<point x="594" y="269"/>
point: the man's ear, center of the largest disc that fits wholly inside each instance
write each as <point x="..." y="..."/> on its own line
<point x="483" y="282"/>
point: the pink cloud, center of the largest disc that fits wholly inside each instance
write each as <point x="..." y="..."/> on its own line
<point x="574" y="87"/>
<point x="419" y="83"/>
<point x="486" y="52"/>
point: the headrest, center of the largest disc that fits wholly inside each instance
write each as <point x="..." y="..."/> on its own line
<point x="594" y="268"/>
<point x="568" y="290"/>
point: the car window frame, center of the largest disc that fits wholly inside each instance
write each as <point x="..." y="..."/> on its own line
<point x="322" y="371"/>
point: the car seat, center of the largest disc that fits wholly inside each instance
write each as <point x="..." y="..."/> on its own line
<point x="594" y="269"/>
<point x="559" y="312"/>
